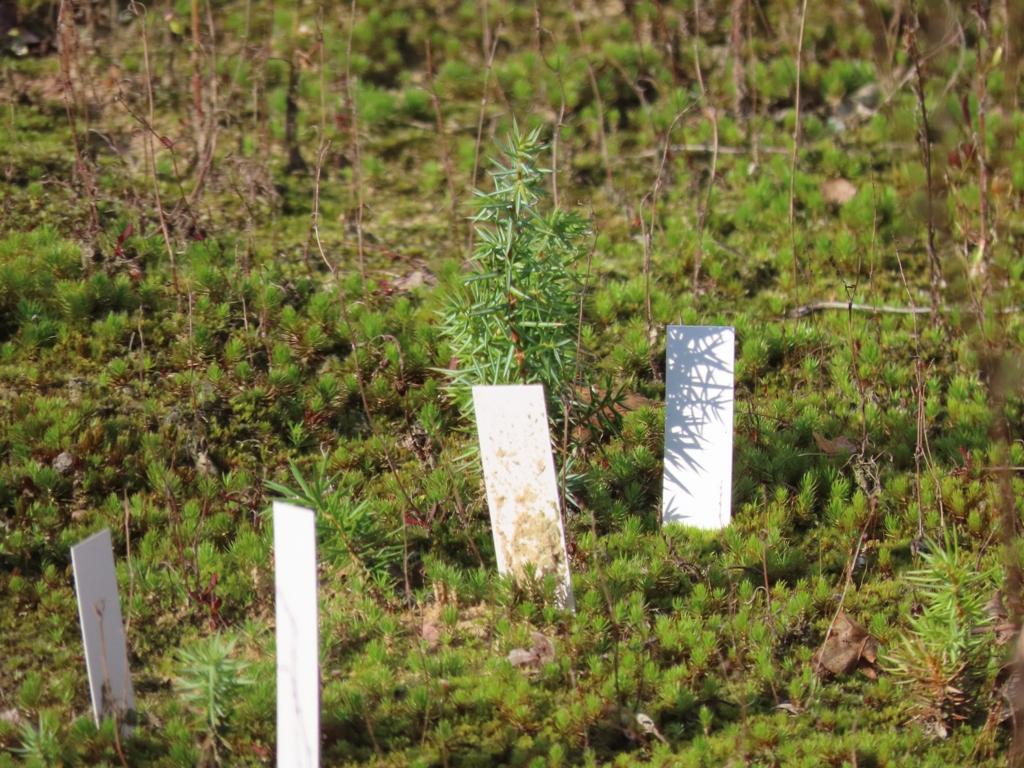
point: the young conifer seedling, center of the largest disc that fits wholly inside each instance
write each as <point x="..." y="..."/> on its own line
<point x="514" y="318"/>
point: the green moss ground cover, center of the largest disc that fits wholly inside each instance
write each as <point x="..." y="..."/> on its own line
<point x="169" y="366"/>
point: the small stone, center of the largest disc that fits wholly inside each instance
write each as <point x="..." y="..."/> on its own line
<point x="12" y="716"/>
<point x="519" y="657"/>
<point x="861" y="104"/>
<point x="543" y="652"/>
<point x="205" y="466"/>
<point x="543" y="648"/>
<point x="430" y="633"/>
<point x="835" y="125"/>
<point x="75" y="388"/>
<point x="415" y="279"/>
<point x="63" y="463"/>
<point x="647" y="726"/>
<point x="838" y="191"/>
<point x="868" y="97"/>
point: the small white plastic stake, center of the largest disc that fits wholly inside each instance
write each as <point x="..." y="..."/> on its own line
<point x="697" y="484"/>
<point x="99" y="611"/>
<point x="298" y="660"/>
<point x="522" y="491"/>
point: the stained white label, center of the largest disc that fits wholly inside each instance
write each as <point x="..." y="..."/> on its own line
<point x="99" y="610"/>
<point x="522" y="491"/>
<point x="697" y="484"/>
<point x="298" y="661"/>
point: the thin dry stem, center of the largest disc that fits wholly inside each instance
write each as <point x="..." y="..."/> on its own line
<point x="197" y="74"/>
<point x="796" y="145"/>
<point x="441" y="139"/>
<point x="140" y="14"/>
<point x="736" y="40"/>
<point x="360" y="379"/>
<point x="480" y="120"/>
<point x="567" y="406"/>
<point x="668" y="42"/>
<point x="651" y="200"/>
<point x="208" y="150"/>
<point x="357" y="164"/>
<point x="934" y="272"/>
<point x="981" y="259"/>
<point x="702" y="210"/>
<point x="851" y="564"/>
<point x="922" y="450"/>
<point x="69" y="38"/>
<point x="597" y="98"/>
<point x="560" y="122"/>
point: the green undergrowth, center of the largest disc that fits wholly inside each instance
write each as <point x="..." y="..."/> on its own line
<point x="169" y="368"/>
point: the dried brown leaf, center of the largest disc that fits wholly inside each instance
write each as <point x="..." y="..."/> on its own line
<point x="628" y="403"/>
<point x="995" y="608"/>
<point x="841" y="444"/>
<point x="849" y="646"/>
<point x="1006" y="632"/>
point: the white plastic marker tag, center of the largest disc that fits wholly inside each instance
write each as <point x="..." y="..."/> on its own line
<point x="697" y="484"/>
<point x="298" y="660"/>
<point x="99" y="610"/>
<point x="522" y="492"/>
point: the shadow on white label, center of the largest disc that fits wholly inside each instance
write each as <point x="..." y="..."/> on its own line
<point x="298" y="660"/>
<point x="697" y="484"/>
<point x="99" y="610"/>
<point x="522" y="491"/>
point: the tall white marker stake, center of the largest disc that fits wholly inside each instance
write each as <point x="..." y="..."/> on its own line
<point x="522" y="492"/>
<point x="99" y="610"/>
<point x="298" y="660"/>
<point x="697" y="484"/>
